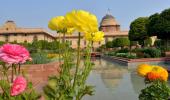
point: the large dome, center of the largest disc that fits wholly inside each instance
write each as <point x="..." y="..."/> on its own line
<point x="108" y="20"/>
<point x="9" y="25"/>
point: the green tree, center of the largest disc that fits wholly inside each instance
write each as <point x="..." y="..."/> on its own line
<point x="121" y="42"/>
<point x="138" y="30"/>
<point x="148" y="42"/>
<point x="36" y="46"/>
<point x="109" y="44"/>
<point x="151" y="26"/>
<point x="159" y="25"/>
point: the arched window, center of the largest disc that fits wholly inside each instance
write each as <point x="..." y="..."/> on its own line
<point x="35" y="38"/>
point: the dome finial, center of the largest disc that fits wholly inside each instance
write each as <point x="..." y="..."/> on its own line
<point x="108" y="11"/>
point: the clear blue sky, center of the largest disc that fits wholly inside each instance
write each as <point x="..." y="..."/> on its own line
<point x="37" y="13"/>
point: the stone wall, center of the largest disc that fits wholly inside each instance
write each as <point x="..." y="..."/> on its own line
<point x="39" y="73"/>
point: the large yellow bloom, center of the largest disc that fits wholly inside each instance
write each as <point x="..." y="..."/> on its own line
<point x="70" y="20"/>
<point x="83" y="21"/>
<point x="95" y="37"/>
<point x="86" y="21"/>
<point x="70" y="30"/>
<point x="98" y="36"/>
<point x="77" y="20"/>
<point x="57" y="23"/>
<point x="143" y="69"/>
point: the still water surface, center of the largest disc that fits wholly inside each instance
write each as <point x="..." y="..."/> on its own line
<point x="113" y="81"/>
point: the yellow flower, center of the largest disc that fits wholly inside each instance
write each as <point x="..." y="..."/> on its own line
<point x="88" y="36"/>
<point x="51" y="26"/>
<point x="70" y="20"/>
<point x="95" y="37"/>
<point x="98" y="36"/>
<point x="76" y="20"/>
<point x="143" y="69"/>
<point x="57" y="23"/>
<point x="70" y="30"/>
<point x="86" y="22"/>
<point x="83" y="21"/>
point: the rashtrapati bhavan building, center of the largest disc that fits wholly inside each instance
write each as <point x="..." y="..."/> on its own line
<point x="9" y="32"/>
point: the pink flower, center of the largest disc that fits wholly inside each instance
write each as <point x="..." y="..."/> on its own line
<point x="18" y="86"/>
<point x="13" y="54"/>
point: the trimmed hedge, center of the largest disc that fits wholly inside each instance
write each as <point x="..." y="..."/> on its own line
<point x="148" y="53"/>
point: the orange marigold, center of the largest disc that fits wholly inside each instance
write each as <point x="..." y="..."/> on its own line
<point x="152" y="72"/>
<point x="158" y="72"/>
<point x="153" y="75"/>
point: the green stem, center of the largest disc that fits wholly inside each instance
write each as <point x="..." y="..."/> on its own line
<point x="64" y="67"/>
<point x="59" y="48"/>
<point x="19" y="68"/>
<point x="87" y="67"/>
<point x="6" y="75"/>
<point x="15" y="70"/>
<point x="12" y="75"/>
<point x="5" y="71"/>
<point x="78" y="61"/>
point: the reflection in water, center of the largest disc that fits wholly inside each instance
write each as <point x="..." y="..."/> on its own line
<point x="137" y="82"/>
<point x="114" y="81"/>
<point x="111" y="75"/>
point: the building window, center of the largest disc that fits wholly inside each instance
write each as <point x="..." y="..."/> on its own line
<point x="6" y="37"/>
<point x="25" y="41"/>
<point x="15" y="34"/>
<point x="35" y="38"/>
<point x="99" y="43"/>
<point x="85" y="42"/>
<point x="106" y="40"/>
<point x="15" y="41"/>
<point x="70" y="42"/>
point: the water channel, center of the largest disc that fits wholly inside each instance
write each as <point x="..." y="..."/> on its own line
<point x="114" y="81"/>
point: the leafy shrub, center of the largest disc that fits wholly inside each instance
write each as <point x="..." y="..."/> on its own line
<point x="147" y="52"/>
<point x="1" y="43"/>
<point x="29" y="94"/>
<point x="121" y="42"/>
<point x="112" y="53"/>
<point x="158" y="43"/>
<point x="109" y="44"/>
<point x="148" y="42"/>
<point x="158" y="90"/>
<point x="126" y="55"/>
<point x="133" y="43"/>
<point x="122" y="55"/>
<point x="145" y="55"/>
<point x="125" y="50"/>
<point x="153" y="52"/>
<point x="40" y="58"/>
<point x="132" y="56"/>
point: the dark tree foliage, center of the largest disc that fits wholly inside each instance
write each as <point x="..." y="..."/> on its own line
<point x="164" y="25"/>
<point x="138" y="30"/>
<point x="109" y="44"/>
<point x="151" y="26"/>
<point x="159" y="25"/>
